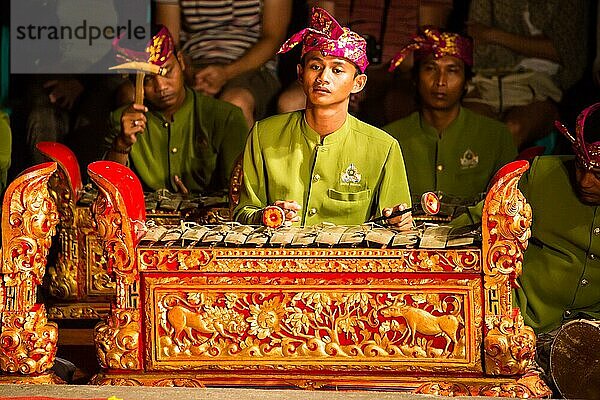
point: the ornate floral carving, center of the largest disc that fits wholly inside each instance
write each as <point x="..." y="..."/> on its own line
<point x="63" y="274"/>
<point x="78" y="311"/>
<point x="117" y="340"/>
<point x="444" y="389"/>
<point x="27" y="342"/>
<point x="507" y="220"/>
<point x="308" y="260"/>
<point x="360" y="329"/>
<point x="101" y="379"/>
<point x="113" y="227"/>
<point x="529" y="386"/>
<point x="29" y="218"/>
<point x="509" y="345"/>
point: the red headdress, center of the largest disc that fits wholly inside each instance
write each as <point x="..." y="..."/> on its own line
<point x="157" y="51"/>
<point x="439" y="44"/>
<point x="588" y="153"/>
<point x="327" y="36"/>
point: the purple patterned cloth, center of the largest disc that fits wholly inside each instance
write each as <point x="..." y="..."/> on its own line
<point x="588" y="153"/>
<point x="325" y="34"/>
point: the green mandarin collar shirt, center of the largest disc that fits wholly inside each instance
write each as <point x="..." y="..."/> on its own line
<point x="561" y="266"/>
<point x="461" y="161"/>
<point x="199" y="145"/>
<point x="345" y="178"/>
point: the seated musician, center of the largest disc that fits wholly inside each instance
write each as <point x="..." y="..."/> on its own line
<point x="179" y="139"/>
<point x="322" y="164"/>
<point x="561" y="266"/>
<point x="447" y="147"/>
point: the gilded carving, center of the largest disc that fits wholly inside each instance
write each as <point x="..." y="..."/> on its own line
<point x="529" y="386"/>
<point x="103" y="380"/>
<point x="308" y="260"/>
<point x="99" y="280"/>
<point x="350" y="328"/>
<point x="95" y="278"/>
<point x="78" y="311"/>
<point x="63" y="274"/>
<point x="27" y="342"/>
<point x="117" y="340"/>
<point x="508" y="221"/>
<point x="422" y="320"/>
<point x="119" y="246"/>
<point x="444" y="389"/>
<point x="509" y="345"/>
<point x="29" y="219"/>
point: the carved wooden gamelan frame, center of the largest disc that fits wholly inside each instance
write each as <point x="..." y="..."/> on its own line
<point x="27" y="340"/>
<point x="425" y="321"/>
<point x="77" y="283"/>
<point x="437" y="322"/>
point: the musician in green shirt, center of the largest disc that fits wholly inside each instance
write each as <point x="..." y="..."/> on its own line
<point x="561" y="266"/>
<point x="321" y="164"/>
<point x="447" y="147"/>
<point x="182" y="140"/>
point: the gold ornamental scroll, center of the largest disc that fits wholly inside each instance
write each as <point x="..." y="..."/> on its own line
<point x="29" y="217"/>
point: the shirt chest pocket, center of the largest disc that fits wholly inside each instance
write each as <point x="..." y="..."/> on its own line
<point x="349" y="196"/>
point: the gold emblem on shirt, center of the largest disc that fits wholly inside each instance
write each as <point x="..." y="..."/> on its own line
<point x="351" y="174"/>
<point x="469" y="159"/>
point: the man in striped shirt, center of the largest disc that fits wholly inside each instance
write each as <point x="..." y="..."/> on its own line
<point x="232" y="45"/>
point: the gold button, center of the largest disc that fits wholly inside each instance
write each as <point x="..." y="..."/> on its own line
<point x="584" y="282"/>
<point x="440" y="167"/>
<point x="593" y="256"/>
<point x="166" y="124"/>
<point x="174" y="150"/>
<point x="312" y="211"/>
<point x="316" y="177"/>
<point x="567" y="313"/>
<point x="596" y="231"/>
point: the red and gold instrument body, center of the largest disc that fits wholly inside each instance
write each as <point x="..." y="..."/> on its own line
<point x="436" y="321"/>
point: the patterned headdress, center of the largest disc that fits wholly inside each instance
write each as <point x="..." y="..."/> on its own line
<point x="327" y="36"/>
<point x="439" y="44"/>
<point x="588" y="153"/>
<point x="157" y="51"/>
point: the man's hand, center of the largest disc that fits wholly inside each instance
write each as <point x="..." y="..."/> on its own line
<point x="402" y="222"/>
<point x="64" y="92"/>
<point x="133" y="122"/>
<point x="211" y="79"/>
<point x="291" y="209"/>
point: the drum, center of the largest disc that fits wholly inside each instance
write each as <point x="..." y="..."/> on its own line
<point x="575" y="360"/>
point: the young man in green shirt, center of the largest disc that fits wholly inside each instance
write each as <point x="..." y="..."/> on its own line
<point x="447" y="147"/>
<point x="180" y="140"/>
<point x="322" y="164"/>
